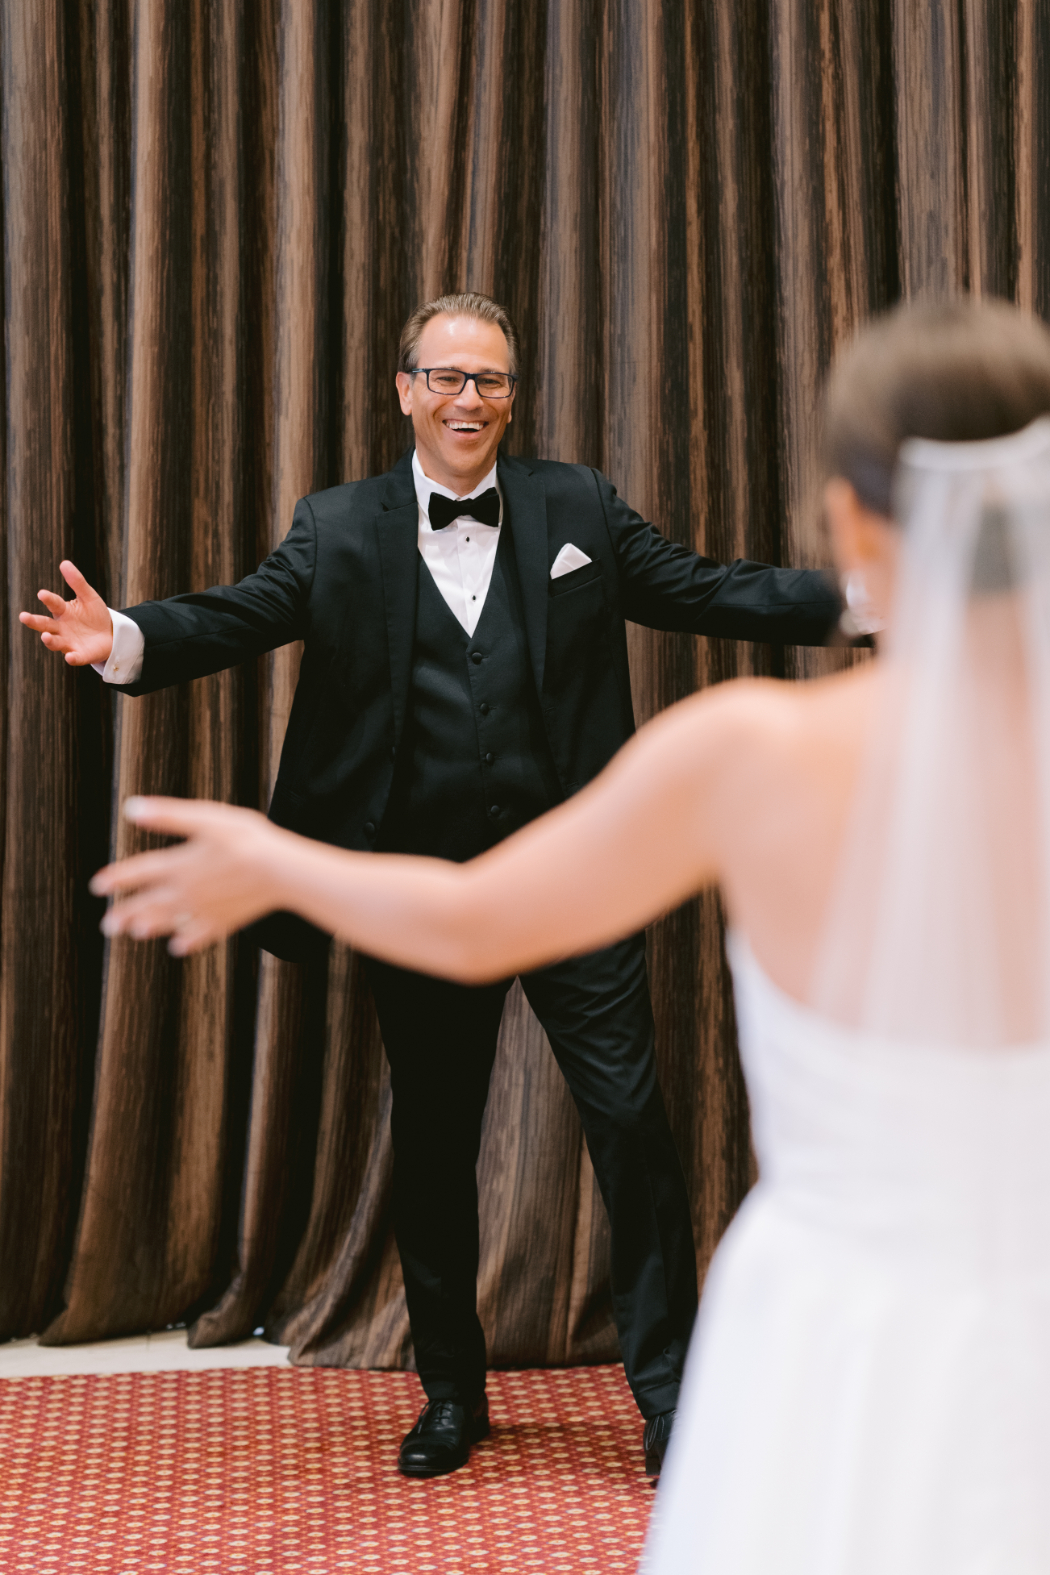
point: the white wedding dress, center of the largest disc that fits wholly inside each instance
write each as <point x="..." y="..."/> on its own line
<point x="868" y="1388"/>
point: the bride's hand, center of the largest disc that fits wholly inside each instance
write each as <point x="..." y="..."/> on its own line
<point x="197" y="892"/>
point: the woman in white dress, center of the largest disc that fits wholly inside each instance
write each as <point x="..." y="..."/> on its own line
<point x="869" y="1384"/>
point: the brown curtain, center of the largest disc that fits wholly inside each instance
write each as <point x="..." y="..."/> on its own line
<point x="216" y="214"/>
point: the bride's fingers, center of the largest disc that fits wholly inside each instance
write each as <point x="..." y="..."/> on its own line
<point x="157" y="912"/>
<point x="169" y="890"/>
<point x="183" y="817"/>
<point x="162" y="864"/>
<point x="194" y="936"/>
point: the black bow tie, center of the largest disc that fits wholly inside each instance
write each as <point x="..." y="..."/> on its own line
<point x="443" y="511"/>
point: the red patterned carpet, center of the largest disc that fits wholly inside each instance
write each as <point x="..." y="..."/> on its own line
<point x="266" y="1470"/>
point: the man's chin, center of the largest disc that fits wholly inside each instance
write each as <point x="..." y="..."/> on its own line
<point x="467" y="460"/>
<point x="458" y="460"/>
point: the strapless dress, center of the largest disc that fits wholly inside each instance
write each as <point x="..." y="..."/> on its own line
<point x="868" y="1387"/>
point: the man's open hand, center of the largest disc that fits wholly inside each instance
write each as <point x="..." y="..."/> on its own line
<point x="81" y="629"/>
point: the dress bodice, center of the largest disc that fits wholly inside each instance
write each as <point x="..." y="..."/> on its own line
<point x="934" y="1157"/>
<point x="869" y="1385"/>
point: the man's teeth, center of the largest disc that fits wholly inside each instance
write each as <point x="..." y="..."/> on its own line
<point x="465" y="426"/>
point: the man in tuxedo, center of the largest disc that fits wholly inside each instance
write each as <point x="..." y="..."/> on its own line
<point x="464" y="670"/>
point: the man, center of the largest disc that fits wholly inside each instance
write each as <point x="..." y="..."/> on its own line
<point x="465" y="669"/>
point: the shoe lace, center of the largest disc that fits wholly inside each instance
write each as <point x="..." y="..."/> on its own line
<point x="437" y="1411"/>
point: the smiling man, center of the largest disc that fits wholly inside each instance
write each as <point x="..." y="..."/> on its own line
<point x="459" y="412"/>
<point x="464" y="670"/>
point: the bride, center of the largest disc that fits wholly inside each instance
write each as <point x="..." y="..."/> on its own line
<point x="868" y="1388"/>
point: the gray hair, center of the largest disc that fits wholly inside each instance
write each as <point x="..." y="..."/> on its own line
<point x="465" y="303"/>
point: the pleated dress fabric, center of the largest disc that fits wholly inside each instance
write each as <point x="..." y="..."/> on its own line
<point x="869" y="1383"/>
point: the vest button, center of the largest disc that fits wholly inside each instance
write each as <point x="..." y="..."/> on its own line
<point x="489" y="758"/>
<point x="370" y="829"/>
<point x="475" y="657"/>
<point x="494" y="811"/>
<point x="483" y="708"/>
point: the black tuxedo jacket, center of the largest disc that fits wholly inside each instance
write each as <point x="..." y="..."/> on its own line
<point x="344" y="582"/>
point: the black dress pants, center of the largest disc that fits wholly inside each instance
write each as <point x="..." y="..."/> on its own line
<point x="440" y="1040"/>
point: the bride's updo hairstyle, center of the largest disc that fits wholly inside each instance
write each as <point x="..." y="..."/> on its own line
<point x="956" y="371"/>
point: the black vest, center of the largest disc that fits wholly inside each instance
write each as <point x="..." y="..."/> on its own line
<point x="474" y="762"/>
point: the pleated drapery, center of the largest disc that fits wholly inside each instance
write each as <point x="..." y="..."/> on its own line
<point x="216" y="216"/>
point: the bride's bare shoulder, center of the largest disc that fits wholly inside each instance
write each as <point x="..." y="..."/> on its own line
<point x="761" y="724"/>
<point x="761" y="706"/>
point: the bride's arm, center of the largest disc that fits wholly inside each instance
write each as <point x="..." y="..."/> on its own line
<point x="637" y="841"/>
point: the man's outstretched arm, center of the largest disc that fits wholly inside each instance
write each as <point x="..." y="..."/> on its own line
<point x="158" y="643"/>
<point x="668" y="586"/>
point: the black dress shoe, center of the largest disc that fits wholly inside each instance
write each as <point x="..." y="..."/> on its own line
<point x="441" y="1439"/>
<point x="654" y="1441"/>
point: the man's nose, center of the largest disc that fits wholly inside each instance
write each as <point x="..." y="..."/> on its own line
<point x="469" y="396"/>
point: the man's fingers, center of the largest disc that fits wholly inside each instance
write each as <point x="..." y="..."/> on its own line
<point x="38" y="622"/>
<point x="75" y="580"/>
<point x="56" y="605"/>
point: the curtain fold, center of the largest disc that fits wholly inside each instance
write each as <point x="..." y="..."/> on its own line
<point x="49" y="958"/>
<point x="216" y="216"/>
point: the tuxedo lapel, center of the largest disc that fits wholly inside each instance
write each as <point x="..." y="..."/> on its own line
<point x="397" y="535"/>
<point x="526" y="504"/>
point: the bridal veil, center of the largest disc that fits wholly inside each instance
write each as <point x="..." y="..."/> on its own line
<point x="939" y="925"/>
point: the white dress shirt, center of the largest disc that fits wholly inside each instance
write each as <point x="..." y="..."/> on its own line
<point x="460" y="559"/>
<point x="462" y="556"/>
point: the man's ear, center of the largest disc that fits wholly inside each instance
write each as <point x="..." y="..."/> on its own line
<point x="404" y="392"/>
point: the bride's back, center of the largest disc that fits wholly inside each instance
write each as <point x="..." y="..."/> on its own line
<point x="885" y="834"/>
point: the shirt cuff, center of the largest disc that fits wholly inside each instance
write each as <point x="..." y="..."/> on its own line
<point x="125" y="658"/>
<point x="859" y="617"/>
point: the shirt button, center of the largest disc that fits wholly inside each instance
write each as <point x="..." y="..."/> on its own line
<point x="494" y="811"/>
<point x="483" y="708"/>
<point x="475" y="657"/>
<point x="370" y="829"/>
<point x="489" y="758"/>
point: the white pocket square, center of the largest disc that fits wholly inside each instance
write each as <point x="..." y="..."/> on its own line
<point x="569" y="558"/>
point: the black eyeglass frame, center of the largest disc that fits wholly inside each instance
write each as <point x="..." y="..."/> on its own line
<point x="468" y="377"/>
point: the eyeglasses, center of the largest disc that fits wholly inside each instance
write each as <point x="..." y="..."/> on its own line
<point x="450" y="380"/>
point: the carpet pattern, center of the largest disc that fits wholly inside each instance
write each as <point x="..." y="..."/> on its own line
<point x="266" y="1470"/>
